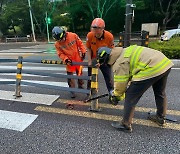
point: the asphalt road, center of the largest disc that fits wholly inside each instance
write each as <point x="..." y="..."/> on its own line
<point x="58" y="130"/>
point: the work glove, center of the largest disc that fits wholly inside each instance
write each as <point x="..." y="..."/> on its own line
<point x="114" y="100"/>
<point x="68" y="62"/>
<point x="83" y="56"/>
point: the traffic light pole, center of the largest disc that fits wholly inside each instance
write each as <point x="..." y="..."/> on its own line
<point x="128" y="23"/>
<point x="47" y="26"/>
<point x="32" y="24"/>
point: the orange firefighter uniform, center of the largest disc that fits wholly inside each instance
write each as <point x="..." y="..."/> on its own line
<point x="70" y="48"/>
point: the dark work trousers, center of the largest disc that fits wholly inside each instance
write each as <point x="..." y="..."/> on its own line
<point x="71" y="82"/>
<point x="107" y="73"/>
<point x="136" y="90"/>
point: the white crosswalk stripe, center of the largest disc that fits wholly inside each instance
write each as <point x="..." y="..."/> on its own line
<point x="15" y="120"/>
<point x="46" y="68"/>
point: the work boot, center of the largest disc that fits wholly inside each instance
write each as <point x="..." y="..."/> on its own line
<point x="72" y="94"/>
<point x="122" y="127"/>
<point x="157" y="119"/>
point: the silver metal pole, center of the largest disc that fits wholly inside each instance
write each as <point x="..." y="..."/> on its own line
<point x="47" y="27"/>
<point x="32" y="24"/>
<point x="128" y="23"/>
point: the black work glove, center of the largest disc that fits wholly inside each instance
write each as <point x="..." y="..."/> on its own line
<point x="83" y="56"/>
<point x="68" y="62"/>
<point x="114" y="100"/>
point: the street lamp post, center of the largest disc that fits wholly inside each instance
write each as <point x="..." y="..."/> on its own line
<point x="47" y="26"/>
<point x="128" y="23"/>
<point x="32" y="24"/>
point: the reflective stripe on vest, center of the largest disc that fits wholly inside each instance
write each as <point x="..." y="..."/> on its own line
<point x="135" y="58"/>
<point x="133" y="62"/>
<point x="121" y="78"/>
<point x="153" y="70"/>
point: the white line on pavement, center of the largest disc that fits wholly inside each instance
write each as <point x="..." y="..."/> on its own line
<point x="29" y="97"/>
<point x="15" y="120"/>
<point x="39" y="68"/>
<point x="61" y="84"/>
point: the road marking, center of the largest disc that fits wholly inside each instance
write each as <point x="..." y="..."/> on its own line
<point x="15" y="120"/>
<point x="29" y="97"/>
<point x="36" y="68"/>
<point x="40" y="68"/>
<point x="28" y="50"/>
<point x="99" y="116"/>
<point x="53" y="83"/>
<point x="119" y="107"/>
<point x="175" y="68"/>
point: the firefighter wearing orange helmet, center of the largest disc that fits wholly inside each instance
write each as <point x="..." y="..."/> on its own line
<point x="69" y="48"/>
<point x="99" y="37"/>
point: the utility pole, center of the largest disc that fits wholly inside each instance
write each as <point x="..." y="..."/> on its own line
<point x="47" y="26"/>
<point x="128" y="22"/>
<point x="32" y="24"/>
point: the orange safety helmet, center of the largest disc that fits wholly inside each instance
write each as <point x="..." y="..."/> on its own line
<point x="98" y="22"/>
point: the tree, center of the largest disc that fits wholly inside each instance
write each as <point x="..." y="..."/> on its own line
<point x="13" y="14"/>
<point x="100" y="8"/>
<point x="168" y="8"/>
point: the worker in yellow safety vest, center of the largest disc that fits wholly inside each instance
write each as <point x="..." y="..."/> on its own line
<point x="135" y="69"/>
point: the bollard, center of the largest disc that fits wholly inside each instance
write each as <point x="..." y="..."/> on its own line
<point x="94" y="88"/>
<point x="18" y="77"/>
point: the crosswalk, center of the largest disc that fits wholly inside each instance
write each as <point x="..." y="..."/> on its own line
<point x="20" y="121"/>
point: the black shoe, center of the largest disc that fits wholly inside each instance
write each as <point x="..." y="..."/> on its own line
<point x="158" y="120"/>
<point x="122" y="127"/>
<point x="72" y="95"/>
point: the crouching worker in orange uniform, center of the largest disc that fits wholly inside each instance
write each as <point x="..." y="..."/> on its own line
<point x="142" y="67"/>
<point x="69" y="48"/>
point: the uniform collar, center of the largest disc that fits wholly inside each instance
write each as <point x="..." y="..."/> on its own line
<point x="102" y="37"/>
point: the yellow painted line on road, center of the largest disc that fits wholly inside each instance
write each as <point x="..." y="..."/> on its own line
<point x="99" y="116"/>
<point x="120" y="107"/>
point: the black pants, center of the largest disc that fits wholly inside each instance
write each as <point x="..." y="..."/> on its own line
<point x="107" y="74"/>
<point x="71" y="82"/>
<point x="136" y="90"/>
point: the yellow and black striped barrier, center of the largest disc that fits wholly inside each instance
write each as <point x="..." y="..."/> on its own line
<point x="18" y="77"/>
<point x="94" y="88"/>
<point x="51" y="62"/>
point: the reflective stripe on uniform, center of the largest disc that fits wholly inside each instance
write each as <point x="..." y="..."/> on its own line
<point x="121" y="78"/>
<point x="80" y="70"/>
<point x="153" y="70"/>
<point x="135" y="58"/>
<point x="128" y="51"/>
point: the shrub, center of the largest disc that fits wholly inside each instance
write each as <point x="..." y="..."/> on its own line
<point x="170" y="48"/>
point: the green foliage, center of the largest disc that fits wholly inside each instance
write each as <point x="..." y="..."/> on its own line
<point x="170" y="48"/>
<point x="79" y="15"/>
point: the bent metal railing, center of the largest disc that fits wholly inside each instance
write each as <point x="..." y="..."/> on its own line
<point x="92" y="76"/>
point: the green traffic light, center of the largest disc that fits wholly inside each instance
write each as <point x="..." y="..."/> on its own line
<point x="48" y="20"/>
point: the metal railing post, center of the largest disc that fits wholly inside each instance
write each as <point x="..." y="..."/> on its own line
<point x="18" y="77"/>
<point x="94" y="88"/>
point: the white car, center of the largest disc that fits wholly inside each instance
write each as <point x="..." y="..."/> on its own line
<point x="169" y="33"/>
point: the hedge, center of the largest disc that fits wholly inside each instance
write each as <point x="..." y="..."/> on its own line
<point x="170" y="48"/>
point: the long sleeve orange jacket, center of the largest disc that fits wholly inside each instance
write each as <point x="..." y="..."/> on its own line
<point x="70" y="48"/>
